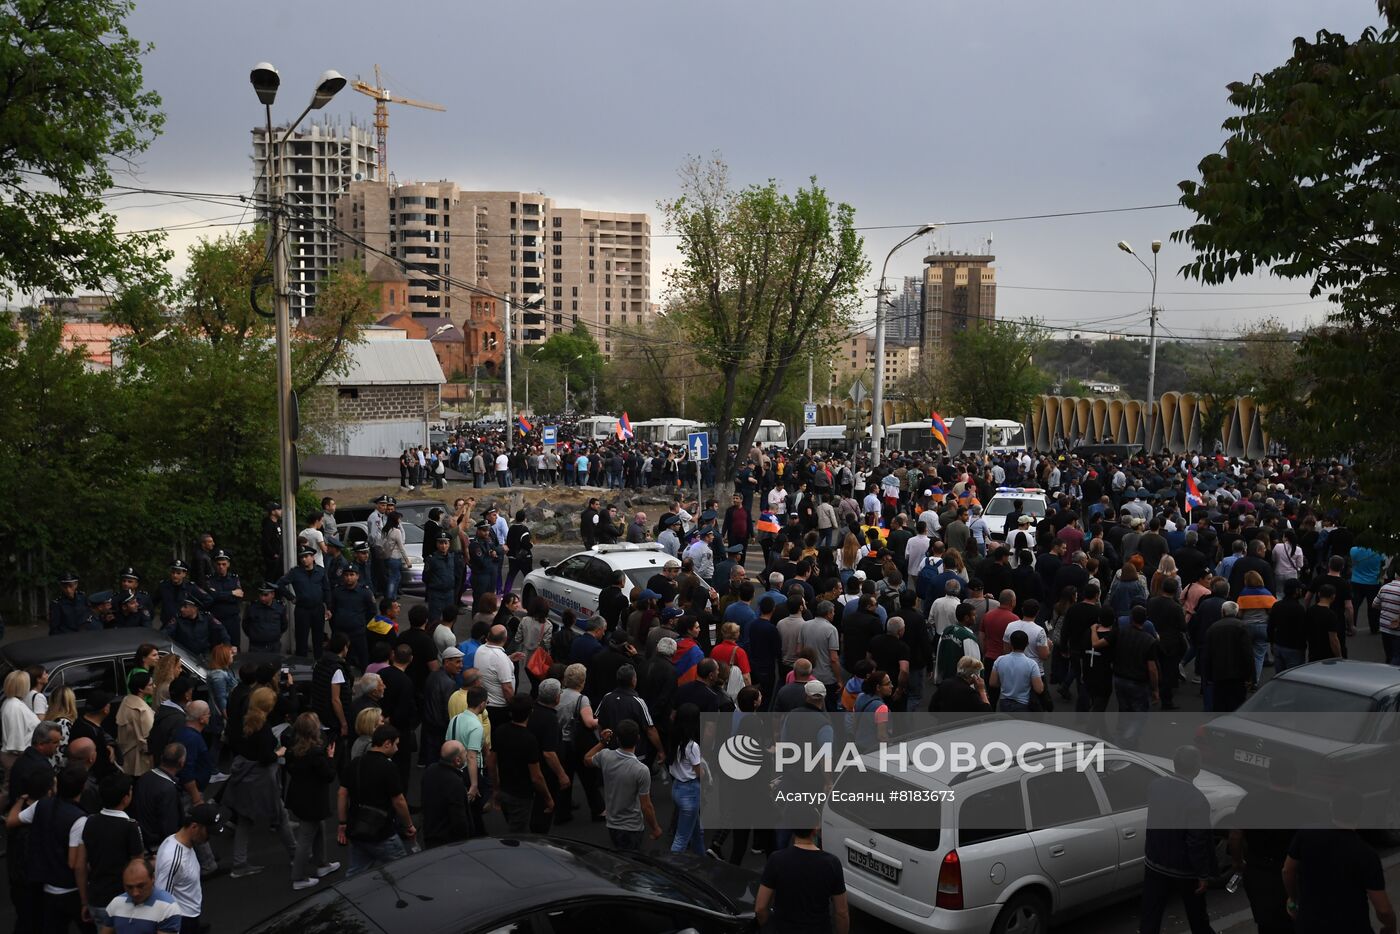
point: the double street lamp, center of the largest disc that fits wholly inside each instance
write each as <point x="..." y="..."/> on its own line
<point x="1152" y="336"/>
<point x="877" y="427"/>
<point x="265" y="81"/>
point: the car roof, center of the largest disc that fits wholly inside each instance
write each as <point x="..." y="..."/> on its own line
<point x="1342" y="674"/>
<point x="481" y="879"/>
<point x="48" y="650"/>
<point x="979" y="731"/>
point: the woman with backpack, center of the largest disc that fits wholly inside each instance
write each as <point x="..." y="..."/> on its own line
<point x="870" y="721"/>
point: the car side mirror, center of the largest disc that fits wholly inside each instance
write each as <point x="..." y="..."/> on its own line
<point x="548" y="570"/>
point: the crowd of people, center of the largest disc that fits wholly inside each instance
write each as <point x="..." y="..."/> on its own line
<point x="822" y="588"/>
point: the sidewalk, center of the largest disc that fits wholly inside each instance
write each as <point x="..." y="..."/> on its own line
<point x="1242" y="922"/>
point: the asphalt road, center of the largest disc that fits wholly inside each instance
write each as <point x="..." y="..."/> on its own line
<point x="235" y="905"/>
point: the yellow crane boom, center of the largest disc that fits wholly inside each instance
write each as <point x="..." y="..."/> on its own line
<point x="382" y="98"/>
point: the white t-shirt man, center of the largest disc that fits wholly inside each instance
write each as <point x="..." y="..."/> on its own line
<point x="496" y="669"/>
<point x="177" y="871"/>
<point x="1036" y="639"/>
<point x="502" y="462"/>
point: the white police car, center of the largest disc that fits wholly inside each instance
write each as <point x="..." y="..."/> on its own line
<point x="1031" y="500"/>
<point x="575" y="582"/>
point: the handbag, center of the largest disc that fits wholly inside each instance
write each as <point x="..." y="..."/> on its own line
<point x="540" y="662"/>
<point x="366" y="821"/>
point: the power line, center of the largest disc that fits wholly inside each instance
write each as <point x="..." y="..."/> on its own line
<point x="1047" y="288"/>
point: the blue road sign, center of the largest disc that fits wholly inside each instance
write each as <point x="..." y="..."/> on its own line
<point x="551" y="434"/>
<point x="698" y="444"/>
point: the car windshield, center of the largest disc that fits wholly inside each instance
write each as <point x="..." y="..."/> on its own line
<point x="1277" y="700"/>
<point x="1001" y="506"/>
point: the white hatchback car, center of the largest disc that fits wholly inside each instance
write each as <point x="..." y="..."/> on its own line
<point x="1003" y="502"/>
<point x="575" y="582"/>
<point x="1086" y="848"/>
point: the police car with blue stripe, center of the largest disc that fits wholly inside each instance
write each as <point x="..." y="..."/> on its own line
<point x="1014" y="500"/>
<point x="576" y="582"/>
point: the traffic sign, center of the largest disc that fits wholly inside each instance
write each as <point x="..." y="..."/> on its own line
<point x="698" y="443"/>
<point x="551" y="434"/>
<point x="809" y="414"/>
<point x="857" y="392"/>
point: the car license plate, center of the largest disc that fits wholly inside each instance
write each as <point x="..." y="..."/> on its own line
<point x="1252" y="758"/>
<point x="873" y="864"/>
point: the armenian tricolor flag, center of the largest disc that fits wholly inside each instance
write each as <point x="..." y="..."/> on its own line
<point x="767" y="522"/>
<point x="624" y="428"/>
<point x="940" y="430"/>
<point x="524" y="424"/>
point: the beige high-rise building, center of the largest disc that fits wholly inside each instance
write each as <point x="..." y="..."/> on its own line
<point x="579" y="265"/>
<point x="960" y="291"/>
<point x="855" y="358"/>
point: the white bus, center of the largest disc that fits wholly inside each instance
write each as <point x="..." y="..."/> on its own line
<point x="910" y="436"/>
<point x="595" y="428"/>
<point x="665" y="430"/>
<point x="770" y="433"/>
<point x="985" y="436"/>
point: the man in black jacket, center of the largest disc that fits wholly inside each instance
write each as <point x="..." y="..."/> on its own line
<point x="400" y="706"/>
<point x="1179" y="859"/>
<point x="1228" y="661"/>
<point x="612" y="600"/>
<point x="155" y="799"/>
<point x="1167" y="616"/>
<point x="445" y="798"/>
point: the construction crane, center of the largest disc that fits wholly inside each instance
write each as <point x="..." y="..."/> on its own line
<point x="382" y="98"/>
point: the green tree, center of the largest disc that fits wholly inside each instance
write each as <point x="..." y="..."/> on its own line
<point x="71" y="103"/>
<point x="1306" y="185"/>
<point x="650" y="377"/>
<point x="762" y="275"/>
<point x="989" y="371"/>
<point x="575" y="353"/>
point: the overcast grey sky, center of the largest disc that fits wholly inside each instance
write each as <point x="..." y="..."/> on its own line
<point x="910" y="111"/>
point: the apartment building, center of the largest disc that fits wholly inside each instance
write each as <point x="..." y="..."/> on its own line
<point x="559" y="266"/>
<point x="318" y="163"/>
<point x="904" y="318"/>
<point x="855" y="359"/>
<point x="960" y="291"/>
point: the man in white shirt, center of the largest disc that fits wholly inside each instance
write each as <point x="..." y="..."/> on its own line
<point x="915" y="552"/>
<point x="1037" y="642"/>
<point x="314" y="537"/>
<point x="944" y="612"/>
<point x="998" y="474"/>
<point x="502" y="470"/>
<point x="497" y="671"/>
<point x="929" y="517"/>
<point x="177" y="864"/>
<point x="702" y="555"/>
<point x="871" y="503"/>
<point x="978" y="527"/>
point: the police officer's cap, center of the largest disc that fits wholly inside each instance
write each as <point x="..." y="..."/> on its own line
<point x="392" y="501"/>
<point x="99" y="598"/>
<point x="178" y="565"/>
<point x="267" y="587"/>
<point x="349" y="569"/>
<point x="483" y="524"/>
<point x="444" y="537"/>
<point x="272" y="506"/>
<point x="129" y="574"/>
<point x="333" y="542"/>
<point x="306" y="552"/>
<point x="127" y="596"/>
<point x="669" y="520"/>
<point x="189" y="601"/>
<point x="362" y="547"/>
<point x="735" y="549"/>
<point x="707" y="530"/>
<point x="382" y="499"/>
<point x="221" y="555"/>
<point x="708" y="515"/>
<point x="69" y="578"/>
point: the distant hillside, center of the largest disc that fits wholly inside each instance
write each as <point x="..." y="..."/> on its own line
<point x="1180" y="366"/>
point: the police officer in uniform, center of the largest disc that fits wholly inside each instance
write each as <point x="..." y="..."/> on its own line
<point x="174" y="590"/>
<point x="265" y="620"/>
<point x="374" y="526"/>
<point x="483" y="557"/>
<point x="130" y="580"/>
<point x="69" y="609"/>
<point x="351" y="609"/>
<point x="334" y="559"/>
<point x="226" y="597"/>
<point x="195" y="630"/>
<point x="307" y="586"/>
<point x="440" y="572"/>
<point x="100" y="615"/>
<point x="129" y="612"/>
<point x="361" y="563"/>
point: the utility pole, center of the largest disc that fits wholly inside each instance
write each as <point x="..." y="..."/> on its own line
<point x="1152" y="311"/>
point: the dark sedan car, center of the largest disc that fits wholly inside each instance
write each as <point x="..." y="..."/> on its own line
<point x="1337" y="720"/>
<point x="530" y="885"/>
<point x="87" y="661"/>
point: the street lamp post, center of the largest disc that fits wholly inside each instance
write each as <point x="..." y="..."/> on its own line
<point x="510" y="393"/>
<point x="265" y="81"/>
<point x="1151" y="338"/>
<point x="877" y="428"/>
<point x="572" y="360"/>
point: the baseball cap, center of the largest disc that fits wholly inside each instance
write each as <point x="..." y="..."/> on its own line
<point x="648" y="594"/>
<point x="206" y="814"/>
<point x="815" y="689"/>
